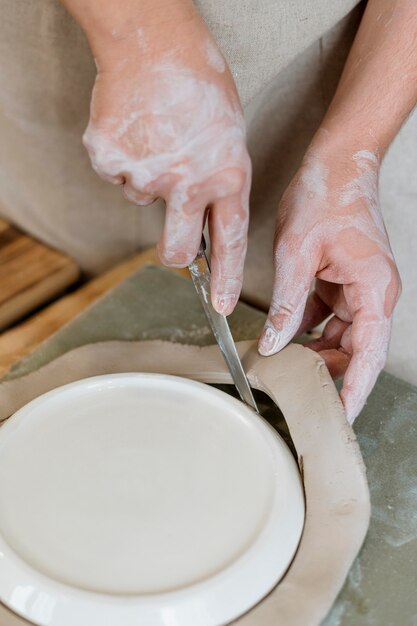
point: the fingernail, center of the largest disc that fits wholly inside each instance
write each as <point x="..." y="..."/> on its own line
<point x="350" y="415"/>
<point x="269" y="341"/>
<point x="352" y="405"/>
<point x="225" y="304"/>
<point x="352" y="412"/>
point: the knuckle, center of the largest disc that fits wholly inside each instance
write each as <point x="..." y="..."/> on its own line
<point x="92" y="138"/>
<point x="88" y="135"/>
<point x="230" y="181"/>
<point x="281" y="311"/>
<point x="230" y="255"/>
<point x="136" y="196"/>
<point x="145" y="199"/>
<point x="173" y="257"/>
<point x="86" y="140"/>
<point x="283" y="233"/>
<point x="284" y="310"/>
<point x="129" y="194"/>
<point x="103" y="153"/>
<point x="92" y="142"/>
<point x="177" y="259"/>
<point x="229" y="283"/>
<point x="235" y="246"/>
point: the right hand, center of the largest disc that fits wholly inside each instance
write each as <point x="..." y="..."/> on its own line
<point x="166" y="122"/>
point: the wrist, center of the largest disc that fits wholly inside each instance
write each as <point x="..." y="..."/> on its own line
<point x="114" y="34"/>
<point x="347" y="166"/>
<point x="352" y="124"/>
<point x="338" y="144"/>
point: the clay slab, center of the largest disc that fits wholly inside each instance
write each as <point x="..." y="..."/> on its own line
<point x="336" y="491"/>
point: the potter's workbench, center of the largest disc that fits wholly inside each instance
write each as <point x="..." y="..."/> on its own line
<point x="31" y="274"/>
<point x="156" y="303"/>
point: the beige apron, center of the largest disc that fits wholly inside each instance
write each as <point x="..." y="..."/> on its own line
<point x="286" y="58"/>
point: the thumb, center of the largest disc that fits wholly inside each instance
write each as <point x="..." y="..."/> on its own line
<point x="292" y="283"/>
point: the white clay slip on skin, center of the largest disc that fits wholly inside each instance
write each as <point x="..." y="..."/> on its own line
<point x="143" y="500"/>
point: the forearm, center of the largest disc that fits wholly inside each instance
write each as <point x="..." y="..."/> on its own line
<point x="378" y="87"/>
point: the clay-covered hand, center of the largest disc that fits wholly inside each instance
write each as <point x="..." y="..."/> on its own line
<point x="166" y="122"/>
<point x="330" y="228"/>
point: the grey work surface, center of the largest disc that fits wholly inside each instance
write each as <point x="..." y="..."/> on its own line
<point x="381" y="589"/>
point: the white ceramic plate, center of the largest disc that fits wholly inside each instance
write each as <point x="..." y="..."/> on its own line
<point x="143" y="500"/>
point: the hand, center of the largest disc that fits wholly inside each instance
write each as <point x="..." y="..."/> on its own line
<point x="330" y="227"/>
<point x="166" y="122"/>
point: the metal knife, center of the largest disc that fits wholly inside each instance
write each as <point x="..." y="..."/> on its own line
<point x="200" y="273"/>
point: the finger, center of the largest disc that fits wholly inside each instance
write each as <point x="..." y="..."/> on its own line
<point x="229" y="183"/>
<point x="228" y="223"/>
<point x="332" y="294"/>
<point x="336" y="361"/>
<point x="114" y="180"/>
<point x="181" y="235"/>
<point x="316" y="311"/>
<point x="294" y="273"/>
<point x="370" y="340"/>
<point x="97" y="152"/>
<point x="329" y="346"/>
<point x="133" y="195"/>
<point x="331" y="337"/>
<point x="375" y="300"/>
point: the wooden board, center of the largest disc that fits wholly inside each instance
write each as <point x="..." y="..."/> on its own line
<point x="25" y="337"/>
<point x="30" y="274"/>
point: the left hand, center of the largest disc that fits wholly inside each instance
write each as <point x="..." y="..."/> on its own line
<point x="330" y="227"/>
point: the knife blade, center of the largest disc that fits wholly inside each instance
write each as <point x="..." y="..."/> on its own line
<point x="200" y="274"/>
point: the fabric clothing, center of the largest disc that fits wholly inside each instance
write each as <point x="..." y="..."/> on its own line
<point x="286" y="58"/>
